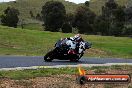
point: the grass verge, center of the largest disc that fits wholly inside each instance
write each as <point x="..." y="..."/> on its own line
<point x="59" y="77"/>
<point x="27" y="74"/>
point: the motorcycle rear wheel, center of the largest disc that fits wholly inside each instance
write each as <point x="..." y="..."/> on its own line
<point x="48" y="57"/>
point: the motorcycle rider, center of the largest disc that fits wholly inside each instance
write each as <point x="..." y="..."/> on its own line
<point x="77" y="38"/>
<point x="75" y="41"/>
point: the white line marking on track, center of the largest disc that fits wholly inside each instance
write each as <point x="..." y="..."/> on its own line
<point x="62" y="66"/>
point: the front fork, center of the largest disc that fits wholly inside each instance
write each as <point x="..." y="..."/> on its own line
<point x="80" y="55"/>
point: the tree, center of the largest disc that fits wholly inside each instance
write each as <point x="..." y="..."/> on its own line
<point x="100" y="26"/>
<point x="119" y="21"/>
<point x="53" y="13"/>
<point x="67" y="28"/>
<point x="10" y="17"/>
<point x="108" y="10"/>
<point x="31" y="14"/>
<point x="128" y="15"/>
<point x="114" y="16"/>
<point x="84" y="19"/>
<point x="70" y="18"/>
<point x="87" y="3"/>
<point x="38" y="17"/>
<point x="127" y="31"/>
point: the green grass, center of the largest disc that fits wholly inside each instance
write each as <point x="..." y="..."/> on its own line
<point x="26" y="42"/>
<point x="33" y="26"/>
<point x="114" y="46"/>
<point x="27" y="74"/>
<point x="103" y="69"/>
<point x="17" y="41"/>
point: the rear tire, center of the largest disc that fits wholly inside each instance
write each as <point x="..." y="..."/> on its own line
<point x="48" y="57"/>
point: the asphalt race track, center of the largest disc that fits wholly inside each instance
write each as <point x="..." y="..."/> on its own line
<point x="28" y="61"/>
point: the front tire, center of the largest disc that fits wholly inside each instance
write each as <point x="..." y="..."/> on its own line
<point x="74" y="58"/>
<point x="48" y="57"/>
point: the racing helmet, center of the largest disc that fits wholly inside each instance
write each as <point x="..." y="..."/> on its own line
<point x="77" y="37"/>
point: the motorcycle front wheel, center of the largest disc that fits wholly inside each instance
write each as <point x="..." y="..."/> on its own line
<point x="74" y="58"/>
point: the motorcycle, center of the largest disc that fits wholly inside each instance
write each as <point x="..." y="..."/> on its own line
<point x="67" y="50"/>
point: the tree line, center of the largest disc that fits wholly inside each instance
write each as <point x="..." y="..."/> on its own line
<point x="114" y="20"/>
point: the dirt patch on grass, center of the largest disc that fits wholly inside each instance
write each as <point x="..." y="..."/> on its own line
<point x="96" y="52"/>
<point x="61" y="81"/>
